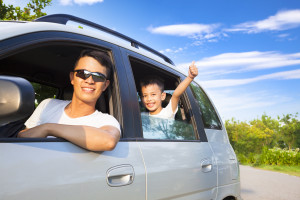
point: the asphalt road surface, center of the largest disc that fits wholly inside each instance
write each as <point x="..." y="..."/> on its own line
<point x="268" y="185"/>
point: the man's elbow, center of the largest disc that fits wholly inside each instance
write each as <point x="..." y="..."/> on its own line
<point x="109" y="145"/>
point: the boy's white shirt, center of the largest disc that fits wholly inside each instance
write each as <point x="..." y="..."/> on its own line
<point x="167" y="112"/>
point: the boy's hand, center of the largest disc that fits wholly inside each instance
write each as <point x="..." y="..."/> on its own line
<point x="193" y="71"/>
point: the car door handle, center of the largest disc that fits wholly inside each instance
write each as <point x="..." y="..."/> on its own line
<point x="206" y="165"/>
<point x="120" y="175"/>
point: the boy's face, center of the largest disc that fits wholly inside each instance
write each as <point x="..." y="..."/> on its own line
<point x="152" y="98"/>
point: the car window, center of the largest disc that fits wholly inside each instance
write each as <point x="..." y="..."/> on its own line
<point x="209" y="115"/>
<point x="43" y="92"/>
<point x="47" y="67"/>
<point x="179" y="128"/>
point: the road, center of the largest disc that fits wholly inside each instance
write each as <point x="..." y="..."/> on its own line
<point x="268" y="185"/>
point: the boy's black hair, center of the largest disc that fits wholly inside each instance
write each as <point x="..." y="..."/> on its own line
<point x="101" y="57"/>
<point x="152" y="79"/>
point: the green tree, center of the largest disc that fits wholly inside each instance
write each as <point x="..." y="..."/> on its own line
<point x="32" y="11"/>
<point x="241" y="138"/>
<point x="266" y="130"/>
<point x="290" y="130"/>
<point x="252" y="137"/>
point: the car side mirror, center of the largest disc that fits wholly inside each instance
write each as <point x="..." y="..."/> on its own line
<point x="16" y="99"/>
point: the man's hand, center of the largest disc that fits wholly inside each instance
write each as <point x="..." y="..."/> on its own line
<point x="36" y="132"/>
<point x="193" y="71"/>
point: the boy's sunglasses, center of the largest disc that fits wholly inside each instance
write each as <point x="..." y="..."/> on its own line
<point x="84" y="74"/>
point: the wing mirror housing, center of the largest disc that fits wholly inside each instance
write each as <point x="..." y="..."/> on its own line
<point x="16" y="99"/>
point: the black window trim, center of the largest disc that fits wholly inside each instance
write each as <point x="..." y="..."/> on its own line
<point x="212" y="105"/>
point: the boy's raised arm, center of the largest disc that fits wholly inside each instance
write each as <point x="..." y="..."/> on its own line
<point x="193" y="72"/>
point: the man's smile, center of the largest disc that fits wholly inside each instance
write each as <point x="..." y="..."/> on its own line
<point x="88" y="89"/>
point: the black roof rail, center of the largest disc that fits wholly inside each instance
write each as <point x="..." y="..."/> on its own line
<point x="64" y="18"/>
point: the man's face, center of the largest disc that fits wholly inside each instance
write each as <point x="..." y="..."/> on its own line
<point x="152" y="98"/>
<point x="88" y="91"/>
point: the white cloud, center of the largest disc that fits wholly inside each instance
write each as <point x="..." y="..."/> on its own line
<point x="283" y="20"/>
<point x="65" y="2"/>
<point x="172" y="50"/>
<point x="184" y="29"/>
<point x="292" y="74"/>
<point x="235" y="97"/>
<point x="251" y="60"/>
<point x="247" y="105"/>
<point x="229" y="63"/>
<point x="283" y="35"/>
<point x="80" y="2"/>
<point x="199" y="32"/>
<point x="226" y="64"/>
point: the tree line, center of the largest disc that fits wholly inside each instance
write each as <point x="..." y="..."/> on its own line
<point x="258" y="136"/>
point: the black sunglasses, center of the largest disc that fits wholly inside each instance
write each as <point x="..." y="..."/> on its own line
<point x="84" y="74"/>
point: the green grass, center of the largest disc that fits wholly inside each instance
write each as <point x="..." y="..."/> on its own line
<point x="291" y="170"/>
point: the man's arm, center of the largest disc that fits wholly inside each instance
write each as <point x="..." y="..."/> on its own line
<point x="193" y="72"/>
<point x="91" y="138"/>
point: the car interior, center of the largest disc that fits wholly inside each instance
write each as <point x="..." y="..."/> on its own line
<point x="49" y="66"/>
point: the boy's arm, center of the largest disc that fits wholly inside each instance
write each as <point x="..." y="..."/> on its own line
<point x="193" y="72"/>
<point x="94" y="139"/>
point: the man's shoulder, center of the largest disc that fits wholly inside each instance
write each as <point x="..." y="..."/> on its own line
<point x="100" y="114"/>
<point x="52" y="104"/>
<point x="55" y="101"/>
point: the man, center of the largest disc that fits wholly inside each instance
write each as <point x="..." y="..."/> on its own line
<point x="78" y="121"/>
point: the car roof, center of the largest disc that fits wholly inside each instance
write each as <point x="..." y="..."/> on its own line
<point x="58" y="22"/>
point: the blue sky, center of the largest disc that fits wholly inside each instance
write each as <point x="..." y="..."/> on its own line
<point x="247" y="52"/>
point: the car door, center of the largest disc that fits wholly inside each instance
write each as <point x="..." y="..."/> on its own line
<point x="179" y="164"/>
<point x="61" y="170"/>
<point x="52" y="168"/>
<point x="228" y="170"/>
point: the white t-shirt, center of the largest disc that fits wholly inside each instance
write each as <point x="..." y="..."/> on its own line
<point x="53" y="111"/>
<point x="167" y="112"/>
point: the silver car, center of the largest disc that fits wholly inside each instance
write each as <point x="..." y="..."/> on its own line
<point x="186" y="158"/>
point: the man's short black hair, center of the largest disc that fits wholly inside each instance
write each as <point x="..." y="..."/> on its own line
<point x="152" y="79"/>
<point x="100" y="56"/>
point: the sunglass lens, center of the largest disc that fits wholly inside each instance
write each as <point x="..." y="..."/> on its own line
<point x="98" y="78"/>
<point x="84" y="74"/>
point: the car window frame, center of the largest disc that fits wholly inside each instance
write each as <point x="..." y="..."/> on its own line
<point x="188" y="97"/>
<point x="21" y="43"/>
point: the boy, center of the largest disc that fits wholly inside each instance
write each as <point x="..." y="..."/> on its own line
<point x="152" y="94"/>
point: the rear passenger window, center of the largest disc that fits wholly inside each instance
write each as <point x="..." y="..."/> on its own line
<point x="209" y="115"/>
<point x="178" y="128"/>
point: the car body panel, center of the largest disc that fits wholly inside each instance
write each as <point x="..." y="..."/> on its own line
<point x="61" y="170"/>
<point x="176" y="170"/>
<point x="228" y="169"/>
